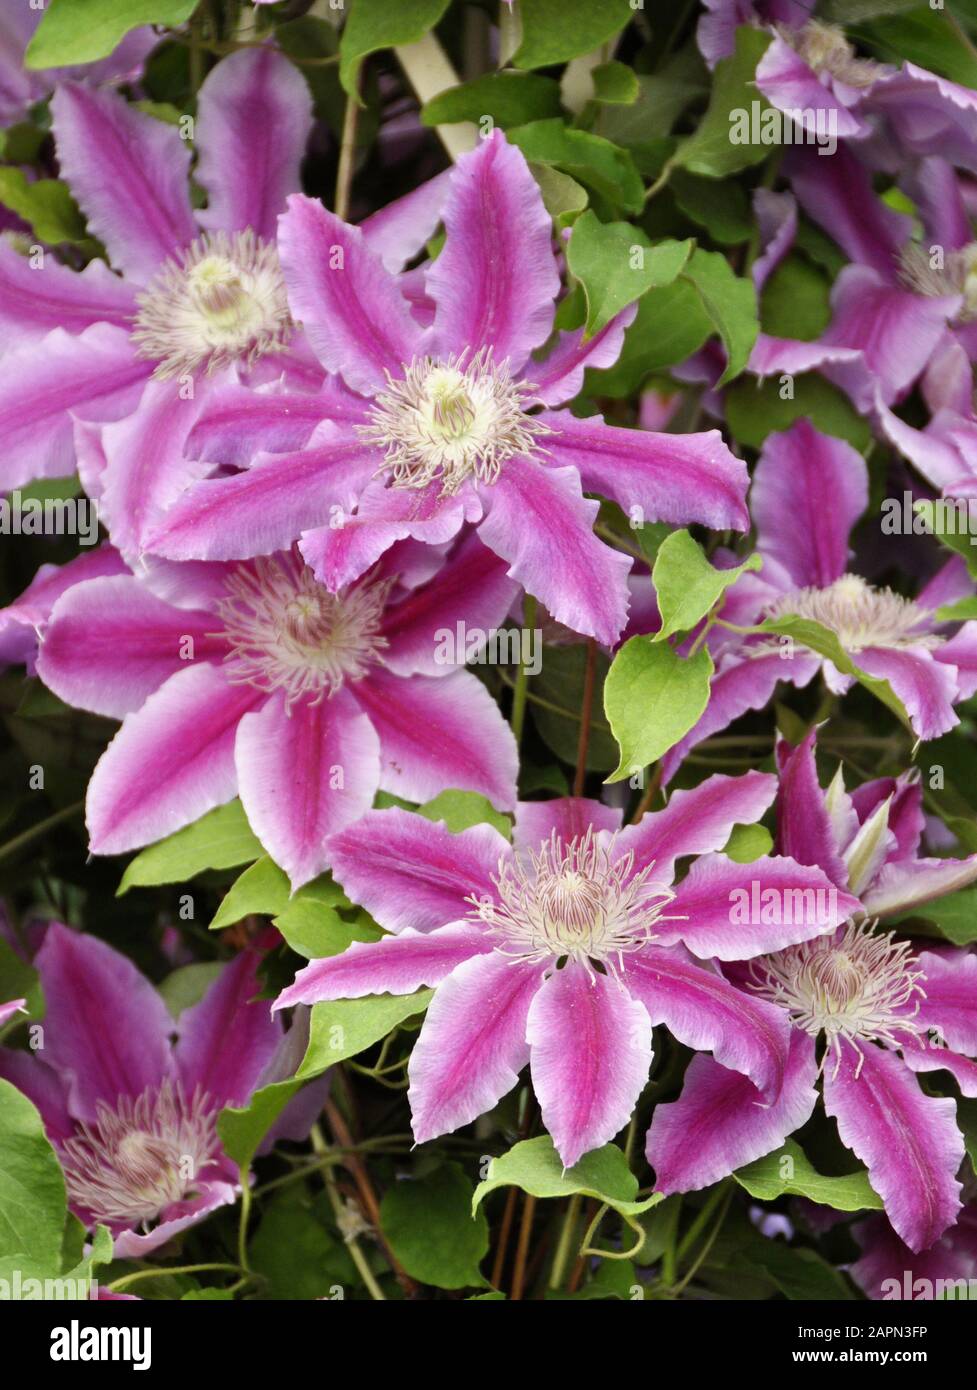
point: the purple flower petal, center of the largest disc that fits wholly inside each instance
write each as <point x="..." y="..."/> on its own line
<point x="237" y="422"/>
<point x="950" y="999"/>
<point x="129" y="172"/>
<point x="569" y="817"/>
<point x="791" y="86"/>
<point x="267" y="507"/>
<point x="590" y="1050"/>
<point x="805" y="472"/>
<point x="408" y="871"/>
<point x="707" y="1013"/>
<point x="495" y="281"/>
<point x="837" y="192"/>
<point x="185" y="735"/>
<point x="23" y="621"/>
<point x="106" y="1029"/>
<point x="394" y="965"/>
<point x="735" y="911"/>
<point x="43" y="1087"/>
<point x="909" y="1142"/>
<point x="304" y="774"/>
<point x="133" y="1245"/>
<point x="111" y="643"/>
<point x="900" y="887"/>
<point x="228" y="1038"/>
<point x="541" y="524"/>
<point x="472" y="1045"/>
<point x="697" y="820"/>
<point x="404" y="227"/>
<point x="354" y="315"/>
<point x="440" y="732"/>
<point x="33" y="301"/>
<point x="804" y="829"/>
<point x="933" y="1057"/>
<point x="926" y="687"/>
<point x="677" y="478"/>
<point x="719" y="1123"/>
<point x="559" y="376"/>
<point x="254" y="115"/>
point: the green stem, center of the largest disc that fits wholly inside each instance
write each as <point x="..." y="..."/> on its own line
<point x="37" y="832"/>
<point x="522" y="679"/>
<point x="118" y="1285"/>
<point x="570" y="1218"/>
<point x="320" y="1147"/>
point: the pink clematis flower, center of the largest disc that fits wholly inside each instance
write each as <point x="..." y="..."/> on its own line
<point x="446" y="430"/>
<point x="566" y="948"/>
<point x="251" y="679"/>
<point x="867" y="840"/>
<point x="131" y="1112"/>
<point x="888" y="1269"/>
<point x="22" y="87"/>
<point x="884" y="1013"/>
<point x="805" y="573"/>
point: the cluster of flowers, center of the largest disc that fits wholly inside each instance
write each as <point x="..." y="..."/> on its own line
<point x="313" y="446"/>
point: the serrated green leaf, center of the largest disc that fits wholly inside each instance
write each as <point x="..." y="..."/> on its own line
<point x="616" y="264"/>
<point x="432" y="1229"/>
<point x="46" y="204"/>
<point x="534" y="1166"/>
<point x="71" y="32"/>
<point x="221" y="839"/>
<point x="376" y="24"/>
<point x="652" y="698"/>
<point x="789" y="1172"/>
<point x="344" y="1027"/>
<point x="687" y="586"/>
<point x="554" y="31"/>
<point x="731" y="305"/>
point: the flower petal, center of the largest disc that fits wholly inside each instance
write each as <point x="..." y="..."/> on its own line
<point x="697" y="820"/>
<point x="950" y="1002"/>
<point x="238" y="422"/>
<point x="804" y="829"/>
<point x="541" y="524"/>
<point x="440" y="732"/>
<point x="408" y="871"/>
<point x="228" y="1038"/>
<point x="909" y="1142"/>
<point x="719" y="1122"/>
<point x="129" y="172"/>
<point x="735" y="911"/>
<point x="304" y="774"/>
<point x="805" y="471"/>
<point x="559" y="376"/>
<point x="394" y="965"/>
<point x="33" y="301"/>
<point x="679" y="478"/>
<point x="254" y="115"/>
<point x="495" y="281"/>
<point x="355" y="317"/>
<point x="106" y="1029"/>
<point x="707" y="1013"/>
<point x="926" y="687"/>
<point x="568" y="817"/>
<point x="111" y="643"/>
<point x="590" y="1050"/>
<point x="185" y="735"/>
<point x="472" y="1045"/>
<point x="404" y="227"/>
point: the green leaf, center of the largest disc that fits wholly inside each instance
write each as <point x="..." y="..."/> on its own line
<point x="800" y="1274"/>
<point x="789" y="1172"/>
<point x="710" y="150"/>
<point x="18" y="980"/>
<point x="954" y="916"/>
<point x="924" y="37"/>
<point x="731" y="305"/>
<point x="942" y="521"/>
<point x="563" y="198"/>
<point x="534" y="1166"/>
<point x="561" y="683"/>
<point x="961" y="611"/>
<point x="554" y="31"/>
<point x="74" y="32"/>
<point x="296" y="1253"/>
<point x="263" y="888"/>
<point x="747" y="843"/>
<point x="221" y="839"/>
<point x="615" y="83"/>
<point x="818" y="638"/>
<point x="344" y="1027"/>
<point x="670" y="325"/>
<point x="188" y="984"/>
<point x="755" y="409"/>
<point x="687" y="586"/>
<point x="242" y="1128"/>
<point x="376" y="24"/>
<point x="796" y="301"/>
<point x="33" y="1204"/>
<point x="616" y="263"/>
<point x="433" y="1230"/>
<point x="462" y="810"/>
<point x="510" y="98"/>
<point x="662" y="98"/>
<point x="590" y="159"/>
<point x="46" y="204"/>
<point x="722" y="208"/>
<point x="653" y="697"/>
<point x="312" y="926"/>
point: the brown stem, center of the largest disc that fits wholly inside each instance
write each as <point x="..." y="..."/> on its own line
<point x="505" y="1229"/>
<point x="364" y="1187"/>
<point x="649" y="794"/>
<point x="347" y="156"/>
<point x="586" y="709"/>
<point x="522" y="1248"/>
